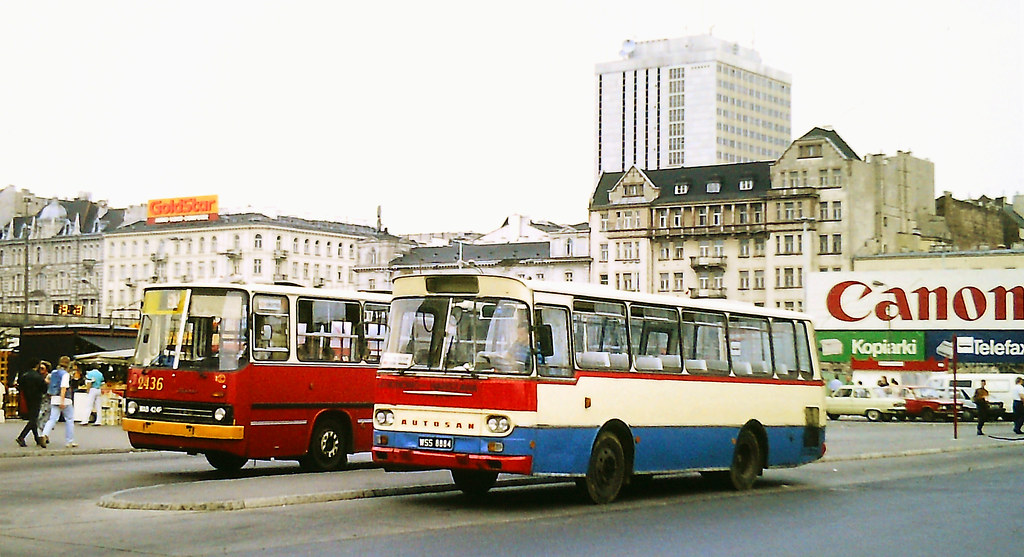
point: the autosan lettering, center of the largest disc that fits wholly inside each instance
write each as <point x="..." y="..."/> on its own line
<point x="969" y="303"/>
<point x="863" y="347"/>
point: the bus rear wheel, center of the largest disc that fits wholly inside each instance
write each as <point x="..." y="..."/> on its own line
<point x="746" y="466"/>
<point x="474" y="483"/>
<point x="327" y="448"/>
<point x="606" y="473"/>
<point x="225" y="462"/>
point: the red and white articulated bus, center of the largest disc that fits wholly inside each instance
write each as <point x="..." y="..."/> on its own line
<point x="240" y="372"/>
<point x="484" y="375"/>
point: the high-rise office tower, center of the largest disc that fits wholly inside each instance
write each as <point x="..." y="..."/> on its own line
<point x="690" y="101"/>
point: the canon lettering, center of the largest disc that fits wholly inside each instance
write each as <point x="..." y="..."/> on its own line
<point x="180" y="206"/>
<point x="876" y="349"/>
<point x="969" y="303"/>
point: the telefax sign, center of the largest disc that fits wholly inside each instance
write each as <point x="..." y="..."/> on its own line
<point x="982" y="346"/>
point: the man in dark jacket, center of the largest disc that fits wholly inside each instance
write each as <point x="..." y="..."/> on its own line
<point x="32" y="384"/>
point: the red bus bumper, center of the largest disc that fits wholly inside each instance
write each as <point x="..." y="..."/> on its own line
<point x="411" y="458"/>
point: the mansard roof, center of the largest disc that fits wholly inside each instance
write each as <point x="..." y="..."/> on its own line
<point x="241" y="219"/>
<point x="696" y="178"/>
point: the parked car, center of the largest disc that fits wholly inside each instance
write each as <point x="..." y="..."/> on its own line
<point x="929" y="403"/>
<point x="872" y="402"/>
<point x="969" y="412"/>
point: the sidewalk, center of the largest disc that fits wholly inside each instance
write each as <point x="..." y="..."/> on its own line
<point x="91" y="439"/>
<point x="848" y="439"/>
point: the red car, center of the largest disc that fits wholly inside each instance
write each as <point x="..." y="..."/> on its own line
<point x="929" y="404"/>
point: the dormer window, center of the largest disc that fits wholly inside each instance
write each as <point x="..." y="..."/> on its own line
<point x="632" y="190"/>
<point x="746" y="184"/>
<point x="681" y="189"/>
<point x="714" y="186"/>
<point x="810" y="151"/>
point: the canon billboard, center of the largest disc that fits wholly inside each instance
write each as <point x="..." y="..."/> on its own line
<point x="933" y="300"/>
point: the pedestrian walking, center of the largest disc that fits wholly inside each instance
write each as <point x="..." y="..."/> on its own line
<point x="61" y="403"/>
<point x="32" y="385"/>
<point x="94" y="382"/>
<point x="1017" y="393"/>
<point x="981" y="401"/>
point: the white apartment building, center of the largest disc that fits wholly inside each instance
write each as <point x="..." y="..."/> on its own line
<point x="245" y="248"/>
<point x="690" y="101"/>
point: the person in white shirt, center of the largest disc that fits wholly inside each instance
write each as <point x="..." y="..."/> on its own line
<point x="1017" y="392"/>
<point x="61" y="403"/>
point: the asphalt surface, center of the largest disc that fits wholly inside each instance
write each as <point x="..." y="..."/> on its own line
<point x="847" y="439"/>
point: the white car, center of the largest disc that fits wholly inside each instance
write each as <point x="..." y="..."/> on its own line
<point x="872" y="402"/>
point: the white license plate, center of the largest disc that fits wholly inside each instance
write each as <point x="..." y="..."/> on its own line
<point x="437" y="443"/>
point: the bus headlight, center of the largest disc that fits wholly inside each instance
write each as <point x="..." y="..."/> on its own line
<point x="498" y="424"/>
<point x="219" y="414"/>
<point x="132" y="407"/>
<point x="384" y="417"/>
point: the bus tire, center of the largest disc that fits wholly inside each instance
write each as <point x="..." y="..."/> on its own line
<point x="606" y="473"/>
<point x="327" y="447"/>
<point x="474" y="483"/>
<point x="747" y="461"/>
<point x="225" y="462"/>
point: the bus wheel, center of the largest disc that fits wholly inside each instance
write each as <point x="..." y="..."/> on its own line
<point x="746" y="461"/>
<point x="607" y="470"/>
<point x="326" y="448"/>
<point x="474" y="483"/>
<point x="225" y="462"/>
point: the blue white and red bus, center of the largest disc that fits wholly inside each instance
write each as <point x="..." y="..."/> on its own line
<point x="484" y="375"/>
<point x="240" y="372"/>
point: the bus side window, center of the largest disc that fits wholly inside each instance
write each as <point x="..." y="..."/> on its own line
<point x="558" y="363"/>
<point x="270" y="328"/>
<point x="600" y="335"/>
<point x="749" y="346"/>
<point x="375" y="322"/>
<point x="328" y="331"/>
<point x="654" y="339"/>
<point x="784" y="343"/>
<point x="704" y="350"/>
<point x="805" y="366"/>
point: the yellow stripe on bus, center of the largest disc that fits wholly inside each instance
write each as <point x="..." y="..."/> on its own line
<point x="184" y="430"/>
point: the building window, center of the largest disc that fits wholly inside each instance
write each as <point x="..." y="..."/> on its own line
<point x="665" y="252"/>
<point x="603" y="279"/>
<point x="759" y="247"/>
<point x="744" y="247"/>
<point x="662" y="218"/>
<point x="744" y="214"/>
<point x="714" y="187"/>
<point x="257" y="266"/>
<point x="746" y="184"/>
<point x="681" y="189"/>
<point x="678" y="284"/>
<point x="810" y="151"/>
<point x="758" y="213"/>
<point x="305" y="246"/>
<point x="678" y="251"/>
<point x="568" y="247"/>
<point x="744" y="280"/>
<point x="663" y="282"/>
<point x="603" y="252"/>
<point x="823" y="211"/>
<point x="702" y="216"/>
<point x="632" y="190"/>
<point x="677" y="218"/>
<point x="837" y="243"/>
<point x="716" y="215"/>
<point x="568" y="276"/>
<point x="837" y="211"/>
<point x="823" y="243"/>
<point x="759" y="280"/>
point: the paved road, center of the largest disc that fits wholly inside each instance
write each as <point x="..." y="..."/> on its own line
<point x="263" y="484"/>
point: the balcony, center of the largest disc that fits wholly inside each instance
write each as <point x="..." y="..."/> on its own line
<point x="280" y="277"/>
<point x="280" y="254"/>
<point x="710" y="230"/>
<point x="708" y="293"/>
<point x="706" y="261"/>
<point x="232" y="253"/>
<point x="159" y="257"/>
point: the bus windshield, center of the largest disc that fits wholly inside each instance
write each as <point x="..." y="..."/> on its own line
<point x="193" y="328"/>
<point x="454" y="334"/>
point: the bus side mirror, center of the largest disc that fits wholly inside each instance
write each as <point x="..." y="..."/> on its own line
<point x="544" y="340"/>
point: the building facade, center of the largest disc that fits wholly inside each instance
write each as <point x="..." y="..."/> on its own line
<point x="50" y="259"/>
<point x="754" y="231"/>
<point x="244" y="248"/>
<point x="690" y="101"/>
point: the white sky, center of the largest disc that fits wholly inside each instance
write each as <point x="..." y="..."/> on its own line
<point x="452" y="115"/>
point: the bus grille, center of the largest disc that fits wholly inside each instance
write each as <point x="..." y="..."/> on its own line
<point x="181" y="412"/>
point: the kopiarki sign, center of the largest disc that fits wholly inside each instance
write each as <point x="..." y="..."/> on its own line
<point x="905" y="316"/>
